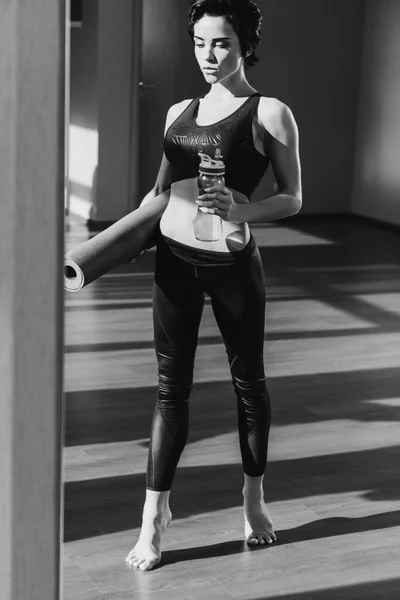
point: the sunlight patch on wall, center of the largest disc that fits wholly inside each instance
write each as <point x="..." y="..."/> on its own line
<point x="83" y="154"/>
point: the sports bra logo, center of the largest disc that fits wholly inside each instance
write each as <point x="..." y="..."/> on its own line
<point x="196" y="142"/>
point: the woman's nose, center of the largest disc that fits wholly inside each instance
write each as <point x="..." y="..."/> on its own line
<point x="209" y="53"/>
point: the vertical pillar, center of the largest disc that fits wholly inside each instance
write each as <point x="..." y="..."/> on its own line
<point x="32" y="38"/>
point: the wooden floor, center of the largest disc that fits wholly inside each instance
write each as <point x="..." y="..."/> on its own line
<point x="332" y="358"/>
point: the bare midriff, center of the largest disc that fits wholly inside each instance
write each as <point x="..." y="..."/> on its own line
<point x="178" y="218"/>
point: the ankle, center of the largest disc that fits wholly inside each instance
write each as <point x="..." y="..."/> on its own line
<point x="253" y="489"/>
<point x="157" y="502"/>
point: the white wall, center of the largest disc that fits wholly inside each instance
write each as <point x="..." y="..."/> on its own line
<point x="376" y="191"/>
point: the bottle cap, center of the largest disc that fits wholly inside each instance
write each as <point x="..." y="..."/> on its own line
<point x="212" y="166"/>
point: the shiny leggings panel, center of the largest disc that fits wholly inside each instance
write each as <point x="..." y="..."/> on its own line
<point x="236" y="286"/>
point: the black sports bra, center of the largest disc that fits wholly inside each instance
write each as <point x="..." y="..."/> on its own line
<point x="244" y="165"/>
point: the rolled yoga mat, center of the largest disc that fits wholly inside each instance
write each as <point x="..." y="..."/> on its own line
<point x="118" y="244"/>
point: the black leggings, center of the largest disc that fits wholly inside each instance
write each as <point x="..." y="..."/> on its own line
<point x="235" y="284"/>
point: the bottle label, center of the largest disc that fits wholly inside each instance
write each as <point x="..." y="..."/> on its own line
<point x="212" y="172"/>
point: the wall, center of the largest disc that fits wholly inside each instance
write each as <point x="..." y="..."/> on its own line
<point x="83" y="131"/>
<point x="115" y="80"/>
<point x="376" y="191"/>
<point x="309" y="58"/>
<point x="103" y="74"/>
<point x="167" y="64"/>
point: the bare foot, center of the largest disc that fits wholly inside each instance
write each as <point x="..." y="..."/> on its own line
<point x="258" y="526"/>
<point x="147" y="552"/>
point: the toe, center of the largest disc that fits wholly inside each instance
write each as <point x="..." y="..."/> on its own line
<point x="137" y="562"/>
<point x="267" y="539"/>
<point x="272" y="535"/>
<point x="261" y="540"/>
<point x="133" y="562"/>
<point x="146" y="565"/>
<point x="252" y="540"/>
<point x="143" y="564"/>
<point x="256" y="539"/>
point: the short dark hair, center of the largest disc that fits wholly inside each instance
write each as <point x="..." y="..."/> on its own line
<point x="244" y="16"/>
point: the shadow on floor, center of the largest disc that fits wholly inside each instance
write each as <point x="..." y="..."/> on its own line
<point x="111" y="504"/>
<point x="322" y="528"/>
<point x="105" y="416"/>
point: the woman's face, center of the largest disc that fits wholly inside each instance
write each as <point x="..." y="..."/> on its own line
<point x="217" y="48"/>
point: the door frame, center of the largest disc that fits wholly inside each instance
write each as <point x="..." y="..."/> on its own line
<point x="137" y="38"/>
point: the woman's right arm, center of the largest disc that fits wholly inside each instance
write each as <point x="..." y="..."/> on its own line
<point x="163" y="180"/>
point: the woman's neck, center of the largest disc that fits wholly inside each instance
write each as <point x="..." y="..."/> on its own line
<point x="221" y="93"/>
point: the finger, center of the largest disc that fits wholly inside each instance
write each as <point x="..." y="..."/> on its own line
<point x="207" y="197"/>
<point x="206" y="203"/>
<point x="210" y="196"/>
<point x="212" y="189"/>
<point x="221" y="213"/>
<point x="217" y="211"/>
<point x="216" y="196"/>
<point x="223" y="203"/>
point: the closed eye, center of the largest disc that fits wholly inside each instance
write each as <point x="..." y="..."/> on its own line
<point x="219" y="45"/>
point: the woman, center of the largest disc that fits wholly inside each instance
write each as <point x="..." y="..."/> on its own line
<point x="251" y="130"/>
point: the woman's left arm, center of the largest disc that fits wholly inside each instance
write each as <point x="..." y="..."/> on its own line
<point x="281" y="143"/>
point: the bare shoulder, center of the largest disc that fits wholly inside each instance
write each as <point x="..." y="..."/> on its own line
<point x="276" y="118"/>
<point x="175" y="110"/>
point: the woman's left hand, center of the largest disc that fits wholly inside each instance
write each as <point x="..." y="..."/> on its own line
<point x="219" y="202"/>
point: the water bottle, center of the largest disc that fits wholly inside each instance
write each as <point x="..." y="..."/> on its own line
<point x="208" y="227"/>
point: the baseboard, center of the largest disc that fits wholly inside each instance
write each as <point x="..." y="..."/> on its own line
<point x="336" y="218"/>
<point x="393" y="227"/>
<point x="311" y="218"/>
